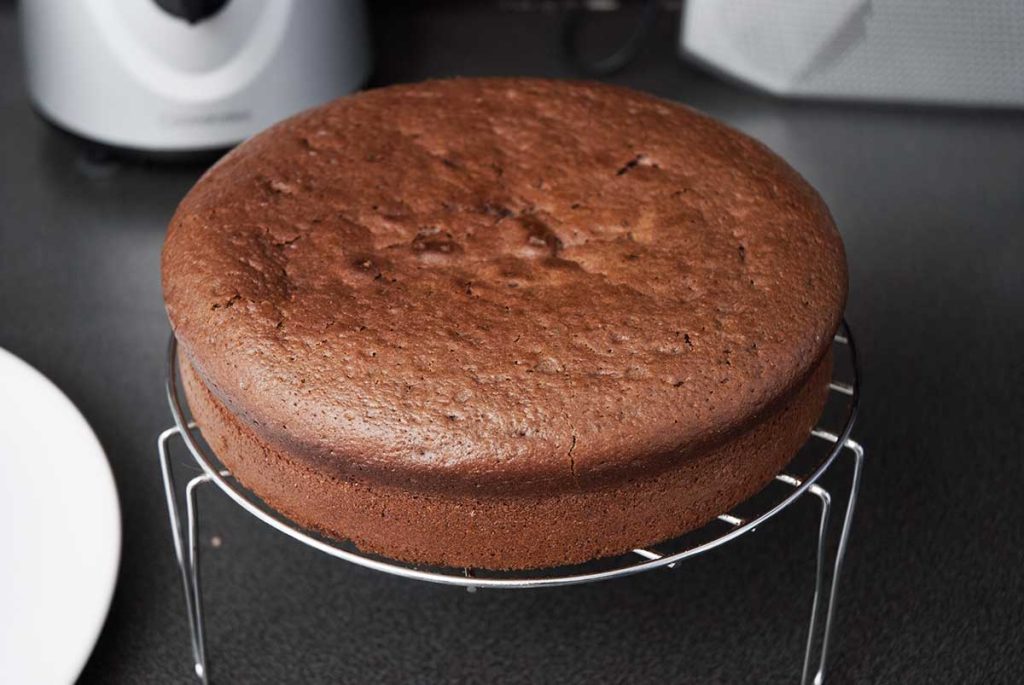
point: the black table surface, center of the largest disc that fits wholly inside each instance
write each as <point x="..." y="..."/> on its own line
<point x="930" y="203"/>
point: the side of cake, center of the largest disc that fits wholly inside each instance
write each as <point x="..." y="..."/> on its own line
<point x="519" y="530"/>
<point x="503" y="323"/>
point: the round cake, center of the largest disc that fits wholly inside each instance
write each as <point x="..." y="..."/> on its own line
<point x="503" y="323"/>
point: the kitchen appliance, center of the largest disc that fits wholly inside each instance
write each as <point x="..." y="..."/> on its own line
<point x="919" y="51"/>
<point x="188" y="75"/>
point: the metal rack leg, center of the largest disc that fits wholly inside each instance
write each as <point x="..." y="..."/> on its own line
<point x="188" y="565"/>
<point x="199" y="631"/>
<point x="819" y="578"/>
<point x="821" y="567"/>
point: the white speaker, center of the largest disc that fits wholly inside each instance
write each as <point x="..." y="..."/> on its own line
<point x="920" y="51"/>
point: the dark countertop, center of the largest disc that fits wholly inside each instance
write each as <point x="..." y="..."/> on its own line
<point x="930" y="203"/>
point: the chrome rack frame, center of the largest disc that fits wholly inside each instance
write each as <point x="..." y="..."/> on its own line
<point x="777" y="496"/>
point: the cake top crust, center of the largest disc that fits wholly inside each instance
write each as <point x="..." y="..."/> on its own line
<point x="501" y="283"/>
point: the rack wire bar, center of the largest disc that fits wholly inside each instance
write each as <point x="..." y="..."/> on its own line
<point x="185" y="531"/>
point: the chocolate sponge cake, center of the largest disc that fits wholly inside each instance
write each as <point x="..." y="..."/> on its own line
<point x="503" y="323"/>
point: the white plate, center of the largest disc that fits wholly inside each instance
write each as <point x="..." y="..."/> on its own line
<point x="60" y="530"/>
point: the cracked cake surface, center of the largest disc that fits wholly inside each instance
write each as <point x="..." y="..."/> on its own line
<point x="501" y="286"/>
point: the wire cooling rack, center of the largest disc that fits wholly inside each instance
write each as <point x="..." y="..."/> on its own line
<point x="800" y="477"/>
